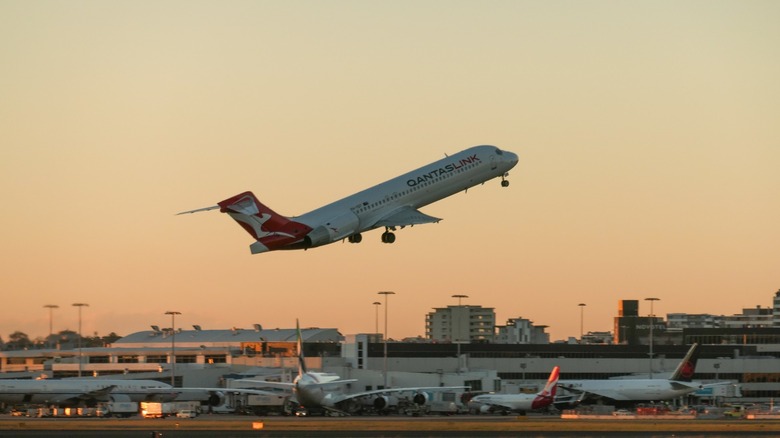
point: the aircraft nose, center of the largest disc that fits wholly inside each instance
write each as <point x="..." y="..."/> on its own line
<point x="511" y="157"/>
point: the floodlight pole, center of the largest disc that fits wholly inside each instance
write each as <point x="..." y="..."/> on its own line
<point x="173" y="345"/>
<point x="459" y="297"/>
<point x="51" y="307"/>
<point x="652" y="317"/>
<point x="385" y="293"/>
<point x="376" y="316"/>
<point x="80" y="305"/>
<point x="582" y="317"/>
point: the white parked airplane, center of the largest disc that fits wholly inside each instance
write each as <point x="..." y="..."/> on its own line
<point x="73" y="392"/>
<point x="520" y="402"/>
<point x="390" y="204"/>
<point x="680" y="383"/>
<point x="322" y="391"/>
<point x="89" y="391"/>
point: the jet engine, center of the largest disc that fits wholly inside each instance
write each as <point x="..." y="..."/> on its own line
<point x="485" y="409"/>
<point x="216" y="398"/>
<point x="343" y="226"/>
<point x="421" y="398"/>
<point x="385" y="402"/>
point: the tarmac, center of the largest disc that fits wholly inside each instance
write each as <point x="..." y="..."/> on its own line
<point x="389" y="426"/>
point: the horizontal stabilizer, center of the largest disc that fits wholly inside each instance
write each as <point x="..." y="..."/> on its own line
<point x="405" y="216"/>
<point x="197" y="210"/>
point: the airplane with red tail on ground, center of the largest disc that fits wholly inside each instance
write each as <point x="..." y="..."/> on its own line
<point x="391" y="204"/>
<point x="520" y="402"/>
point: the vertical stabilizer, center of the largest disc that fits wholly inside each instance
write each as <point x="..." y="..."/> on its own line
<point x="546" y="396"/>
<point x="687" y="367"/>
<point x="301" y="359"/>
<point x="270" y="229"/>
<point x="552" y="384"/>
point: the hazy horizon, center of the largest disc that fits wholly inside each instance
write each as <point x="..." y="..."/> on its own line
<point x="647" y="133"/>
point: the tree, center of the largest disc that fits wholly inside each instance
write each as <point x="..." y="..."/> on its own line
<point x="18" y="341"/>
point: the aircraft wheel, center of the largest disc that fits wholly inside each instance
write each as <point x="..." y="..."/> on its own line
<point x="355" y="238"/>
<point x="388" y="237"/>
<point x="504" y="183"/>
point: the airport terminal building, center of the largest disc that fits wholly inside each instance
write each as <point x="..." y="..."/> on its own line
<point x="748" y="356"/>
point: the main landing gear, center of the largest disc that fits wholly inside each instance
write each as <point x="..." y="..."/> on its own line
<point x="504" y="182"/>
<point x="387" y="236"/>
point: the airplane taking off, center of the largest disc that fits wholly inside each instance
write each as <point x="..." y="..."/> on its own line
<point x="391" y="204"/>
<point x="320" y="391"/>
<point x="680" y="383"/>
<point x="520" y="402"/>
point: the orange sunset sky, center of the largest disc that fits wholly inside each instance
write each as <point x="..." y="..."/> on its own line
<point x="648" y="134"/>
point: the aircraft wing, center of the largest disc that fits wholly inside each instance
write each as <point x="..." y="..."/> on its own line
<point x="405" y="216"/>
<point x="344" y="397"/>
<point x="595" y="393"/>
<point x="290" y="386"/>
<point x="98" y="394"/>
<point x="280" y="385"/>
<point x="233" y="390"/>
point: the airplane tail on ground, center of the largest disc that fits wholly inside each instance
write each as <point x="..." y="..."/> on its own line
<point x="687" y="367"/>
<point x="546" y="396"/>
<point x="270" y="229"/>
<point x="552" y="384"/>
<point x="301" y="359"/>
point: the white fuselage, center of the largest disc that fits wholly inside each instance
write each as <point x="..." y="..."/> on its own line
<point x="417" y="188"/>
<point x="70" y="390"/>
<point x="513" y="402"/>
<point x="311" y="393"/>
<point x="632" y="389"/>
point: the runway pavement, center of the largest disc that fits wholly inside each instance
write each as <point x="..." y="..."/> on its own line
<point x="390" y="426"/>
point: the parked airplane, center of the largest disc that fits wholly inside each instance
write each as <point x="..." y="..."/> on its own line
<point x="317" y="391"/>
<point x="680" y="383"/>
<point x="74" y="392"/>
<point x="520" y="402"/>
<point x="390" y="204"/>
<point x="90" y="391"/>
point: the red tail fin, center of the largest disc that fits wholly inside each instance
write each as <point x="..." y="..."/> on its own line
<point x="270" y="229"/>
<point x="552" y="383"/>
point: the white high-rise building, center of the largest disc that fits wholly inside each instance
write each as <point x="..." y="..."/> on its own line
<point x="462" y="324"/>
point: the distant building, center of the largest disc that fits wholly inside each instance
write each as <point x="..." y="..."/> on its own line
<point x="521" y="331"/>
<point x="776" y="310"/>
<point x="632" y="329"/>
<point x="462" y="324"/>
<point x="679" y="321"/>
<point x="758" y="317"/>
<point x="600" y="338"/>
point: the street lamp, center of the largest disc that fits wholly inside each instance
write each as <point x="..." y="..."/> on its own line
<point x="652" y="318"/>
<point x="522" y="367"/>
<point x="173" y="345"/>
<point x="457" y="332"/>
<point x="376" y="316"/>
<point x="582" y="314"/>
<point x="51" y="307"/>
<point x="80" y="305"/>
<point x="385" y="293"/>
<point x="459" y="296"/>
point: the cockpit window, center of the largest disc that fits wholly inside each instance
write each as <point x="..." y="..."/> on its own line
<point x="499" y="151"/>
